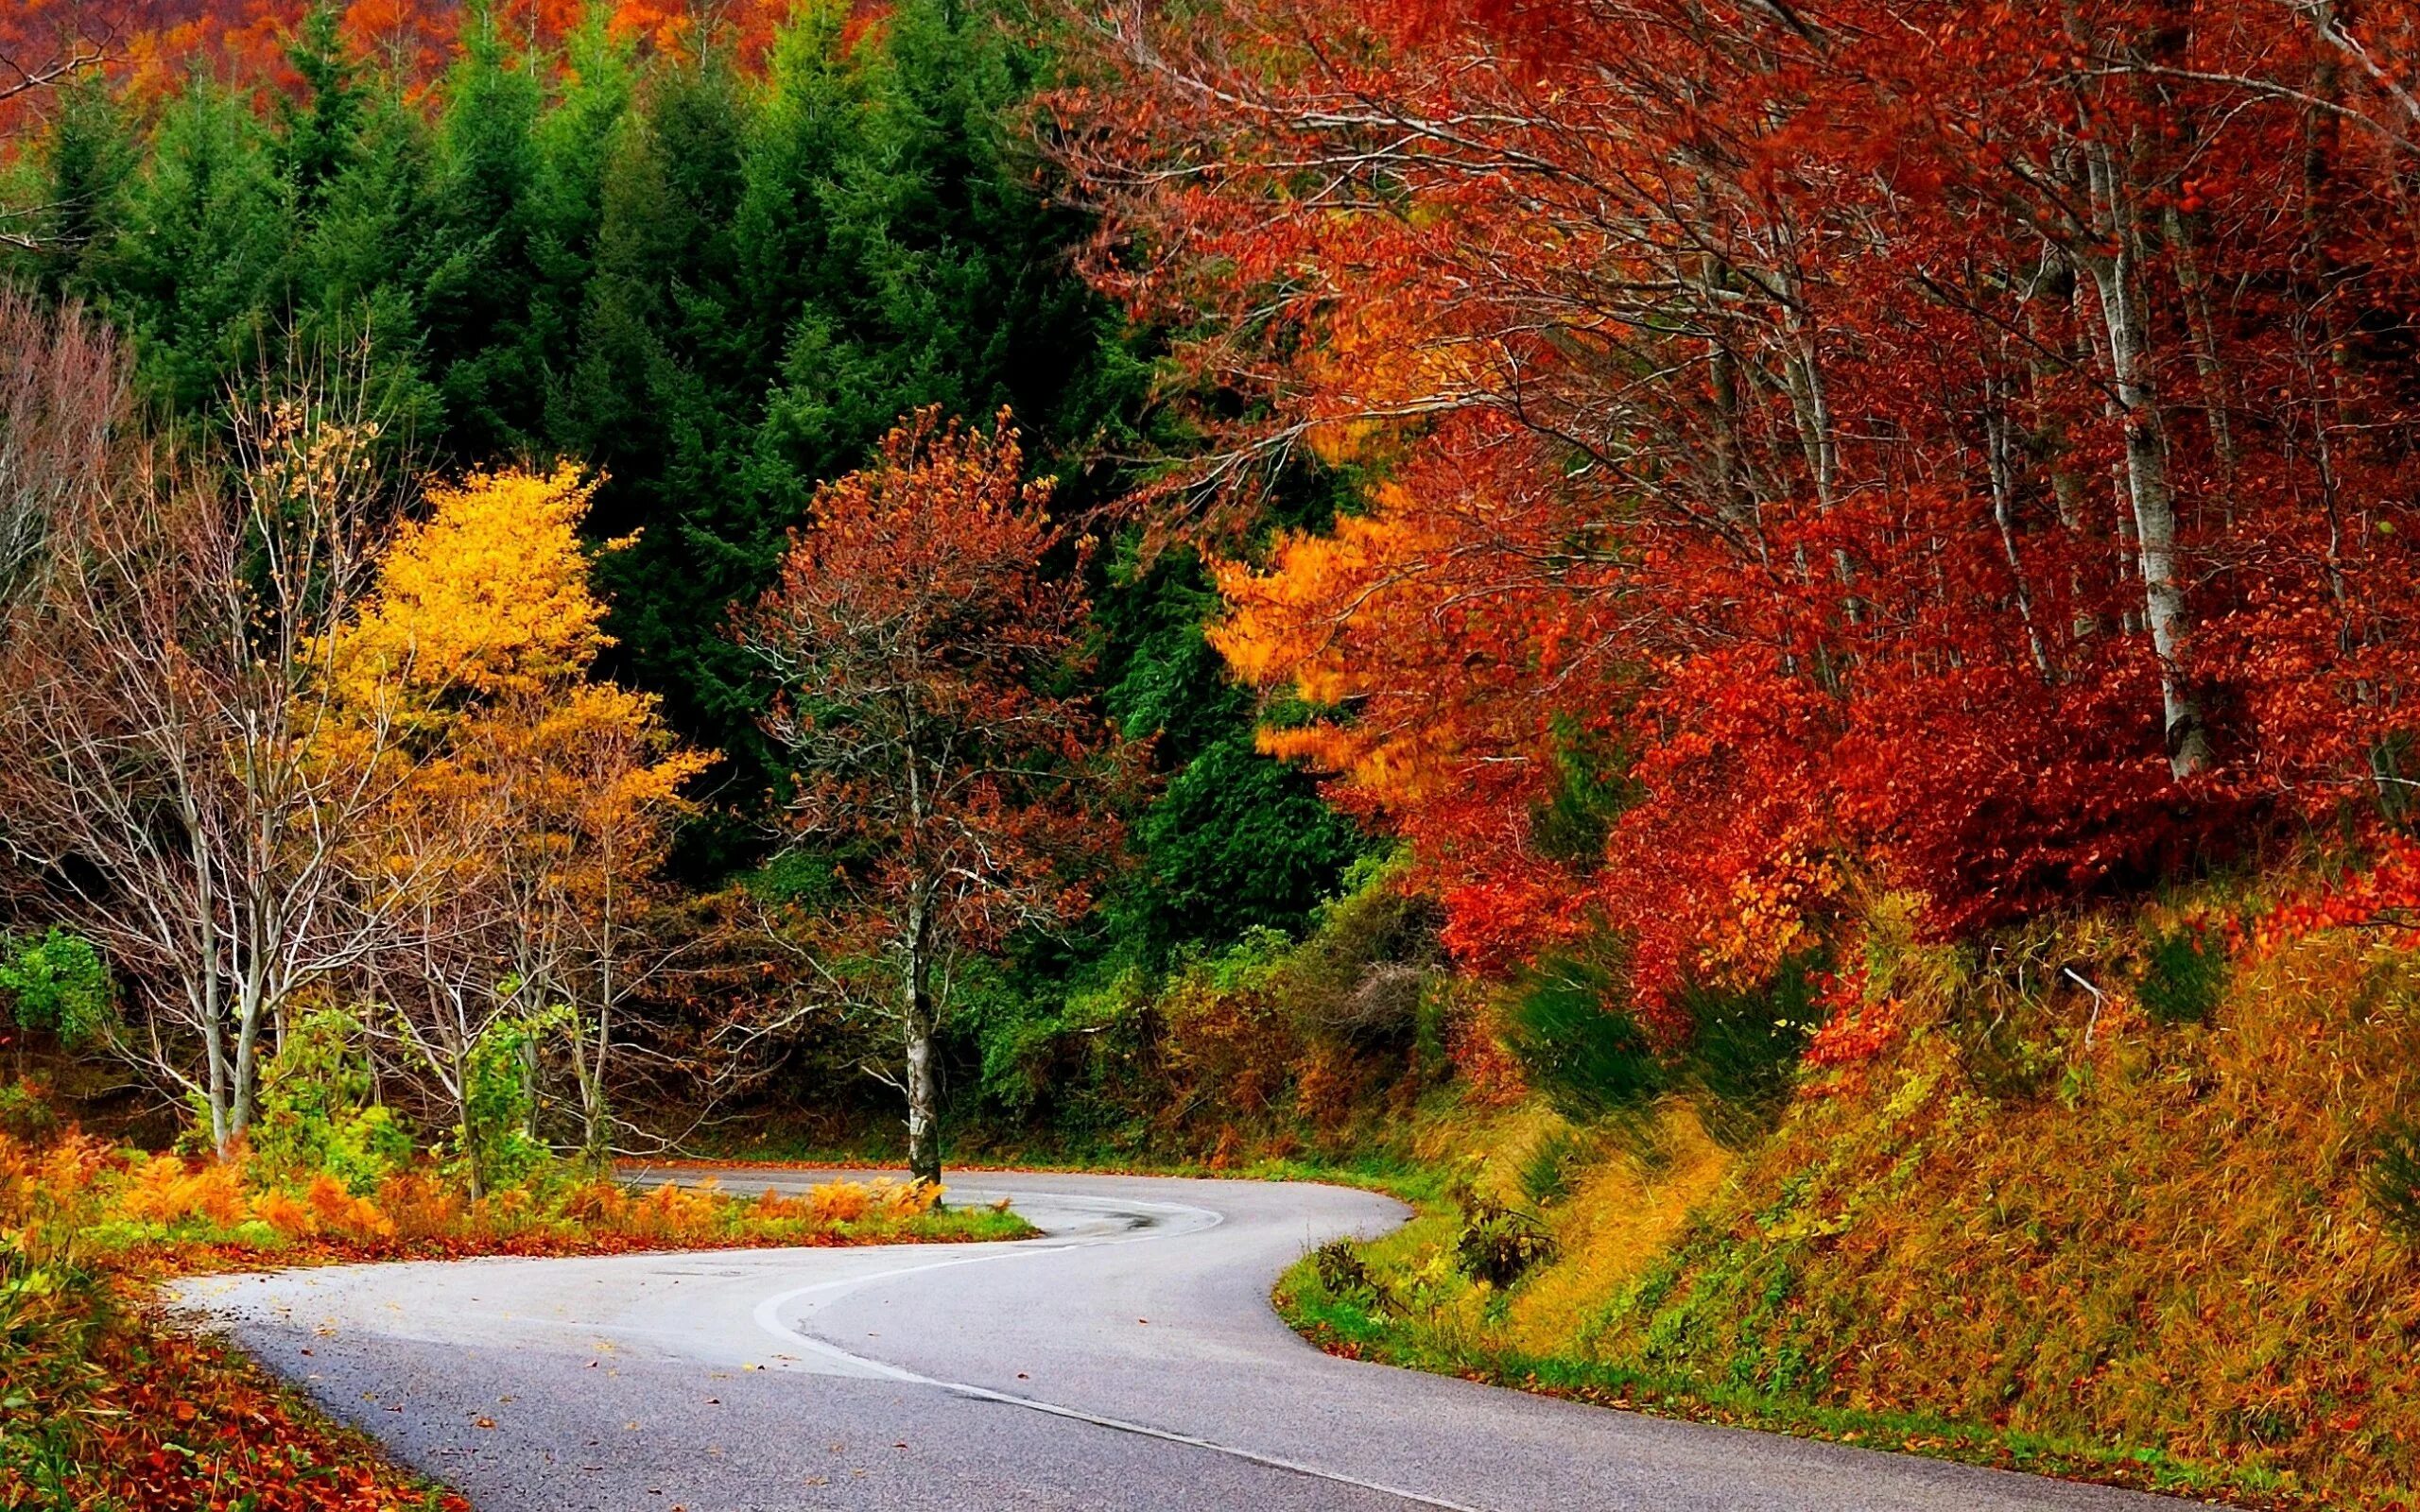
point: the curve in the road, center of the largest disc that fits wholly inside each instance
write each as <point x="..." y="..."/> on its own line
<point x="1129" y="1359"/>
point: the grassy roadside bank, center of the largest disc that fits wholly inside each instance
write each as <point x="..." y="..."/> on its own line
<point x="1335" y="1299"/>
<point x="2107" y="1204"/>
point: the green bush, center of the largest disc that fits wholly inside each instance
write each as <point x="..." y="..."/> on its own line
<point x="1342" y="1271"/>
<point x="1742" y="1057"/>
<point x="1499" y="1246"/>
<point x="26" y="1113"/>
<point x="1567" y="1026"/>
<point x="58" y="984"/>
<point x="493" y="1148"/>
<point x="317" y="1111"/>
<point x="2185" y="974"/>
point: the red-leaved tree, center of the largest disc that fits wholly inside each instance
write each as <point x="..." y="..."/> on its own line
<point x="947" y="790"/>
<point x="1969" y="444"/>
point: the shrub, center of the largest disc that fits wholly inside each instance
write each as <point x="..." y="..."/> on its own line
<point x="907" y="1199"/>
<point x="315" y="1112"/>
<point x="2185" y="973"/>
<point x="59" y="984"/>
<point x="492" y="1147"/>
<point x="1497" y="1245"/>
<point x="167" y="1190"/>
<point x="839" y="1201"/>
<point x="1567" y="1025"/>
<point x="2392" y="1179"/>
<point x="340" y="1212"/>
<point x="421" y="1206"/>
<point x="1342" y="1271"/>
<point x="288" y="1217"/>
<point x="26" y="1113"/>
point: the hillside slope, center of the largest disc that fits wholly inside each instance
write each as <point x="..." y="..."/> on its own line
<point x="2140" y="1250"/>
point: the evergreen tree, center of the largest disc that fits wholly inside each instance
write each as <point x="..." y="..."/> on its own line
<point x="200" y="274"/>
<point x="75" y="195"/>
<point x="1233" y="840"/>
<point x="319" y="133"/>
<point x="488" y="365"/>
<point x="576" y="138"/>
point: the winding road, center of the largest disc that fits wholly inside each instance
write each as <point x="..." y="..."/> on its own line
<point x="1129" y="1359"/>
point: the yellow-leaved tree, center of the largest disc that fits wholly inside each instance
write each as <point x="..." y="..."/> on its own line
<point x="535" y="811"/>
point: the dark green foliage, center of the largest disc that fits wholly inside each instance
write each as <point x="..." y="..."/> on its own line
<point x="2392" y="1179"/>
<point x="319" y="131"/>
<point x="1742" y="1055"/>
<point x="1496" y="1246"/>
<point x="1235" y="841"/>
<point x="1595" y="788"/>
<point x="77" y="196"/>
<point x="2185" y="974"/>
<point x="721" y="289"/>
<point x="1342" y="1271"/>
<point x="1567" y="1025"/>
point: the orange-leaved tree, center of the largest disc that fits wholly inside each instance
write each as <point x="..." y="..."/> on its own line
<point x="539" y="800"/>
<point x="916" y="641"/>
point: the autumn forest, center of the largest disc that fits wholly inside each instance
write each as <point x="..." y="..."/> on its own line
<point x="1755" y="650"/>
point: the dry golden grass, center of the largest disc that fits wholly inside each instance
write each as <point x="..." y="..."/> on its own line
<point x="2156" y="1238"/>
<point x="1623" y="1215"/>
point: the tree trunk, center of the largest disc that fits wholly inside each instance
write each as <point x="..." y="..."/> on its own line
<point x="2118" y="280"/>
<point x="922" y="1024"/>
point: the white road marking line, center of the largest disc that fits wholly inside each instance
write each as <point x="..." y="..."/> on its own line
<point x="768" y="1315"/>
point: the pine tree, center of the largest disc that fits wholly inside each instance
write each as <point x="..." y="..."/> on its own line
<point x="477" y="291"/>
<point x="319" y="134"/>
<point x="201" y="275"/>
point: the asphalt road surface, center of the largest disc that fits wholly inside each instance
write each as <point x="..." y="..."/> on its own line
<point x="1130" y="1359"/>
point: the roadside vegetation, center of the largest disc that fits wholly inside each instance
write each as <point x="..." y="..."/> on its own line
<point x="110" y="1407"/>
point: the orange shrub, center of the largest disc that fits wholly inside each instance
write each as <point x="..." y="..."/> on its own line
<point x="907" y="1199"/>
<point x="601" y="1202"/>
<point x="339" y="1212"/>
<point x="669" y="1212"/>
<point x="420" y="1206"/>
<point x="278" y="1209"/>
<point x="838" y="1202"/>
<point x="70" y="1167"/>
<point x="772" y="1205"/>
<point x="165" y="1190"/>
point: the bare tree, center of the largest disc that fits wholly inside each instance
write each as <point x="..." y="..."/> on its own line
<point x="62" y="407"/>
<point x="175" y="780"/>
